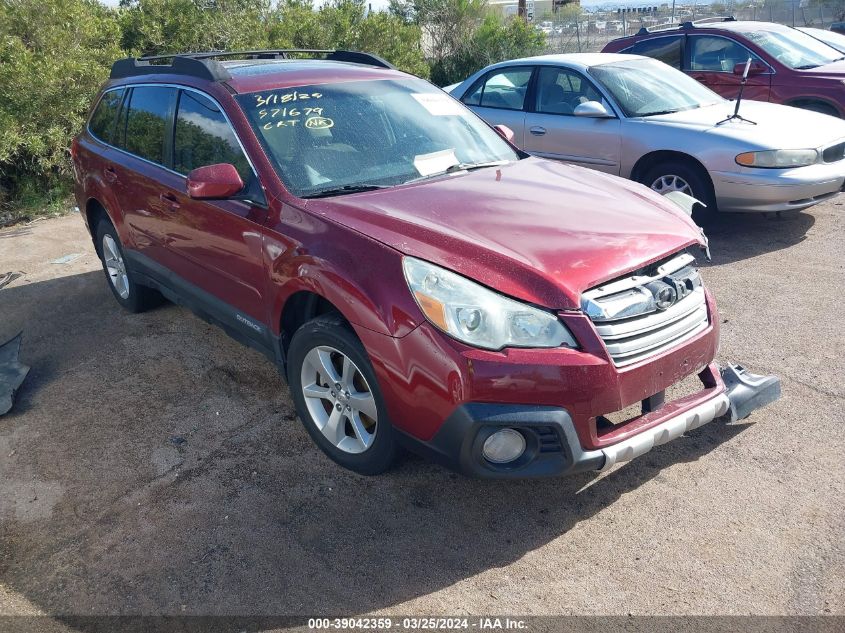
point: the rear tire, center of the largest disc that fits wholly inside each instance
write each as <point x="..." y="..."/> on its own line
<point x="131" y="295"/>
<point x="688" y="178"/>
<point x="337" y="396"/>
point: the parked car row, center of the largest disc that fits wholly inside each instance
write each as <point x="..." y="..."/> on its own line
<point x="640" y="118"/>
<point x="419" y="280"/>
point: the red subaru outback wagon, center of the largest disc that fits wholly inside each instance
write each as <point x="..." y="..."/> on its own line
<point x="788" y="66"/>
<point x="418" y="280"/>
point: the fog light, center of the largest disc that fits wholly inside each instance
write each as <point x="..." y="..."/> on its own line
<point x="504" y="446"/>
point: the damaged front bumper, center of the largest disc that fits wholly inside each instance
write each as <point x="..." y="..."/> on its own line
<point x="553" y="445"/>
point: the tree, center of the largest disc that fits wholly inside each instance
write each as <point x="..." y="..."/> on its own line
<point x="54" y="55"/>
<point x="153" y="27"/>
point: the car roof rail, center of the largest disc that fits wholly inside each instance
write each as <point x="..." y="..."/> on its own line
<point x="720" y="18"/>
<point x="204" y="65"/>
<point x="657" y="28"/>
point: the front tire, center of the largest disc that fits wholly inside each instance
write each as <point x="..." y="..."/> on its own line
<point x="687" y="178"/>
<point x="129" y="294"/>
<point x="337" y="397"/>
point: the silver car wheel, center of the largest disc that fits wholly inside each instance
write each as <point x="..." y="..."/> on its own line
<point x="339" y="400"/>
<point x="670" y="182"/>
<point x="115" y="266"/>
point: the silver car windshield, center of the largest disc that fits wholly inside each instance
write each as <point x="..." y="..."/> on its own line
<point x="332" y="139"/>
<point x="794" y="48"/>
<point x="647" y="87"/>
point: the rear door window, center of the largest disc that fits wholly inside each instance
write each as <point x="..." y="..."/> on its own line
<point x="102" y="120"/>
<point x="147" y="121"/>
<point x="666" y="49"/>
<point x="503" y="89"/>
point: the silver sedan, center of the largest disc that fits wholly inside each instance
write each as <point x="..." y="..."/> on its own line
<point x="639" y="118"/>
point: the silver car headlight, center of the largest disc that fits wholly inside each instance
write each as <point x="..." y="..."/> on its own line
<point x="478" y="316"/>
<point x="779" y="158"/>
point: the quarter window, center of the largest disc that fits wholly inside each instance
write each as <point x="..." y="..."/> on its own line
<point x="504" y="89"/>
<point x="102" y="120"/>
<point x="665" y="49"/>
<point x="717" y="54"/>
<point x="146" y="122"/>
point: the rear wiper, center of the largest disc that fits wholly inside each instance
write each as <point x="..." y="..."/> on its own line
<point x="337" y="191"/>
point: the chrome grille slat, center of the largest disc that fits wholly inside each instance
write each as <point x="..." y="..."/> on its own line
<point x="631" y="339"/>
<point x="644" y="324"/>
<point x="630" y="360"/>
<point x="656" y="338"/>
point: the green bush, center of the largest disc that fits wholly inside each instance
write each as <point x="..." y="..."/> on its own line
<point x="54" y="55"/>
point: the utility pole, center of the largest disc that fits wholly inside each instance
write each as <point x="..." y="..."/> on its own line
<point x="521" y="10"/>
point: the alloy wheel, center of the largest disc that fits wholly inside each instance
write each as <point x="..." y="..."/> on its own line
<point x="115" y="266"/>
<point x="339" y="400"/>
<point x="671" y="182"/>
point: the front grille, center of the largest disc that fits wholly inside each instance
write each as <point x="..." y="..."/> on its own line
<point x="834" y="153"/>
<point x="630" y="338"/>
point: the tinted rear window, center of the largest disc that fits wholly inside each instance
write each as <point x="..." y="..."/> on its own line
<point x="102" y="120"/>
<point x="665" y="49"/>
<point x="146" y="121"/>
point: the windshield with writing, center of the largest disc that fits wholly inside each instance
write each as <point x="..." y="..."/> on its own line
<point x="338" y="138"/>
<point x="647" y="87"/>
<point x="794" y="48"/>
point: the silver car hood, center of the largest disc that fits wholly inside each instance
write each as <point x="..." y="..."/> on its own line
<point x="778" y="126"/>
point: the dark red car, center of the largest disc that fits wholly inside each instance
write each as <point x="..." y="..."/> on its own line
<point x="417" y="279"/>
<point x="788" y="66"/>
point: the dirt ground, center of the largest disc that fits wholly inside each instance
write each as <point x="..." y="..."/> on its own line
<point x="152" y="465"/>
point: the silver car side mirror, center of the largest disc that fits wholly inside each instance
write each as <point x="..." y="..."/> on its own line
<point x="592" y="110"/>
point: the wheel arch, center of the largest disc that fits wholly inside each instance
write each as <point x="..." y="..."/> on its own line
<point x="299" y="308"/>
<point x="647" y="161"/>
<point x="803" y="102"/>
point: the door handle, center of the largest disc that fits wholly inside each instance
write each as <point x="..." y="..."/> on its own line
<point x="537" y="130"/>
<point x="169" y="201"/>
<point x="110" y="174"/>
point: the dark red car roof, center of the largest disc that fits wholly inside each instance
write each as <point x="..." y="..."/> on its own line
<point x="262" y="74"/>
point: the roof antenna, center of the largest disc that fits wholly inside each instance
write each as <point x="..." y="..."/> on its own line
<point x="736" y="114"/>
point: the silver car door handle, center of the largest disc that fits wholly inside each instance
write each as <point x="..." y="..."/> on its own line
<point x="537" y="130"/>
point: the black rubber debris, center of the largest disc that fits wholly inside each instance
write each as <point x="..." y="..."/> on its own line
<point x="12" y="372"/>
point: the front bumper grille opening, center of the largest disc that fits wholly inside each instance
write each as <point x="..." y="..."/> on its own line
<point x="548" y="439"/>
<point x="685" y="387"/>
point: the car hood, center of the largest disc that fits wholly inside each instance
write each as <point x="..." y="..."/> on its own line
<point x="778" y="126"/>
<point x="536" y="230"/>
<point x="833" y="70"/>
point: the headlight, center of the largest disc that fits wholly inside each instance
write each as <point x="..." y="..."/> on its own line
<point x="478" y="316"/>
<point x="779" y="158"/>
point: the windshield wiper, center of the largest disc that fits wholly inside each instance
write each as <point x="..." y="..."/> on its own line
<point x="462" y="167"/>
<point x="659" y="112"/>
<point x="338" y="191"/>
<point x="808" y="66"/>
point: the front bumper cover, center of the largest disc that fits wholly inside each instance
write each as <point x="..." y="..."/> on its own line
<point x="553" y="446"/>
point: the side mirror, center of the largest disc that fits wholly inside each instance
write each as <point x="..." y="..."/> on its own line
<point x="592" y="110"/>
<point x="505" y="132"/>
<point x="757" y="68"/>
<point x="214" y="182"/>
